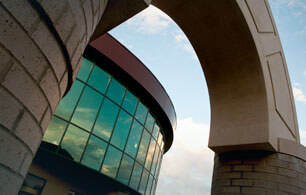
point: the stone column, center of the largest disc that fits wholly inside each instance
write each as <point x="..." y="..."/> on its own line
<point x="41" y="44"/>
<point x="258" y="172"/>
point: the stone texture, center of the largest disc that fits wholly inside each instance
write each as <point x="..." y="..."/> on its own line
<point x="267" y="178"/>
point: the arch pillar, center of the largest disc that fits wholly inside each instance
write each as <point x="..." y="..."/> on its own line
<point x="41" y="44"/>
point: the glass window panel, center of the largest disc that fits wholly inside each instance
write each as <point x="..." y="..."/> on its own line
<point x="32" y="185"/>
<point x="141" y="113"/>
<point x="136" y="174"/>
<point x="160" y="138"/>
<point x="111" y="162"/>
<point x="142" y="152"/>
<point x="162" y="146"/>
<point x="94" y="153"/>
<point x="155" y="131"/>
<point x="158" y="165"/>
<point x="99" y="79"/>
<point x="115" y="91"/>
<point x="74" y="142"/>
<point x="106" y="120"/>
<point x="150" y="154"/>
<point x="121" y="130"/>
<point x="85" y="69"/>
<point x="67" y="104"/>
<point x="87" y="109"/>
<point x="149" y="122"/>
<point x="134" y="138"/>
<point x="144" y="181"/>
<point x="125" y="169"/>
<point x="153" y="187"/>
<point x="149" y="186"/>
<point x="154" y="163"/>
<point x="55" y="131"/>
<point x="129" y="102"/>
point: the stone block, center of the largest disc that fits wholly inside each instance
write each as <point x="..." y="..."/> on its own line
<point x="275" y="192"/>
<point x="228" y="175"/>
<point x="73" y="41"/>
<point x="17" y="41"/>
<point x="12" y="151"/>
<point x="288" y="188"/>
<point x="253" y="175"/>
<point x="87" y="7"/>
<point x="8" y="182"/>
<point x="20" y="84"/>
<point x="242" y="182"/>
<point x="28" y="17"/>
<point x="265" y="184"/>
<point x="253" y="190"/>
<point x="50" y="47"/>
<point x="63" y="84"/>
<point x="223" y="182"/>
<point x="227" y="189"/>
<point x="277" y="178"/>
<point x="10" y="109"/>
<point x="223" y="169"/>
<point x="287" y="172"/>
<point x="242" y="168"/>
<point x="29" y="132"/>
<point x="54" y="9"/>
<point x="65" y="24"/>
<point x="46" y="120"/>
<point x="265" y="169"/>
<point x="77" y="11"/>
<point x="51" y="89"/>
<point x="26" y="164"/>
<point x="277" y="163"/>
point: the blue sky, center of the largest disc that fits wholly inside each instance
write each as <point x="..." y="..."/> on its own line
<point x="160" y="44"/>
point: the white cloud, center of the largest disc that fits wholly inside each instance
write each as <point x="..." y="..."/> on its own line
<point x="299" y="95"/>
<point x="303" y="137"/>
<point x="184" y="43"/>
<point x="180" y="38"/>
<point x="150" y="21"/>
<point x="305" y="72"/>
<point x="187" y="167"/>
<point x="297" y="84"/>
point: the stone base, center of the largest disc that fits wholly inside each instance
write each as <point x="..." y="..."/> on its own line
<point x="258" y="172"/>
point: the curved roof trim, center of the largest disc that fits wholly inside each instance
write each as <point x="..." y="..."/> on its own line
<point x="128" y="62"/>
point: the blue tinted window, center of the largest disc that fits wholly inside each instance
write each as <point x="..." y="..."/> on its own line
<point x="144" y="181"/>
<point x="149" y="122"/>
<point x="85" y="69"/>
<point x="142" y="152"/>
<point x="135" y="178"/>
<point x="55" y="131"/>
<point x="106" y="120"/>
<point x="150" y="154"/>
<point x="74" y="142"/>
<point x="141" y="113"/>
<point x="94" y="153"/>
<point x="129" y="102"/>
<point x="67" y="104"/>
<point x="134" y="139"/>
<point x="111" y="162"/>
<point x="125" y="169"/>
<point x="149" y="186"/>
<point x="89" y="104"/>
<point x="155" y="131"/>
<point x="99" y="79"/>
<point x="121" y="130"/>
<point x="115" y="91"/>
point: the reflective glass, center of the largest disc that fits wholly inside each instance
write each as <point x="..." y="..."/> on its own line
<point x="85" y="69"/>
<point x="111" y="162"/>
<point x="115" y="91"/>
<point x="94" y="153"/>
<point x="125" y="169"/>
<point x="121" y="130"/>
<point x="136" y="174"/>
<point x="134" y="138"/>
<point x="150" y="122"/>
<point x="155" y="131"/>
<point x="89" y="104"/>
<point x="106" y="120"/>
<point x="67" y="104"/>
<point x="129" y="102"/>
<point x="143" y="182"/>
<point x="150" y="154"/>
<point x="141" y="113"/>
<point x="55" y="131"/>
<point x="74" y="142"/>
<point x="99" y="79"/>
<point x="149" y="186"/>
<point x="141" y="156"/>
<point x="158" y="164"/>
<point x="154" y="163"/>
<point x="160" y="138"/>
<point x="153" y="187"/>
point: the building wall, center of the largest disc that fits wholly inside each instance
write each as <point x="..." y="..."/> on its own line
<point x="41" y="44"/>
<point x="259" y="173"/>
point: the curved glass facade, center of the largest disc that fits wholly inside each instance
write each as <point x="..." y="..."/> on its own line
<point x="104" y="126"/>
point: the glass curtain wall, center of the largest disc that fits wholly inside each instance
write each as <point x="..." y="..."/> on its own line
<point x="105" y="127"/>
